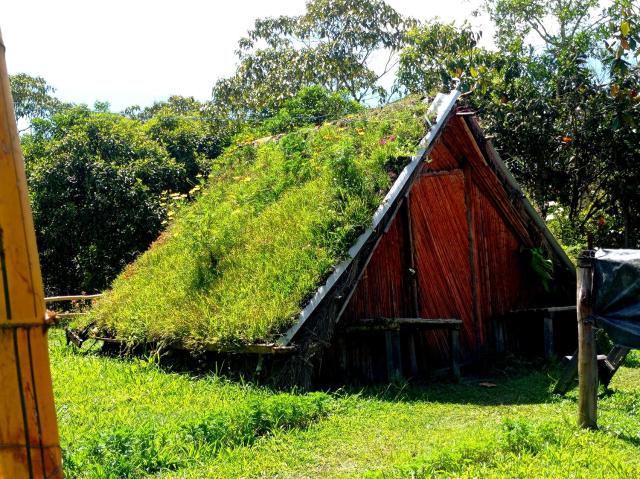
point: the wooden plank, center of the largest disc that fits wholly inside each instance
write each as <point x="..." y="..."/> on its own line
<point x="567" y="375"/>
<point x="587" y="358"/>
<point x="271" y="348"/>
<point x="29" y="444"/>
<point x="415" y="305"/>
<point x="425" y="172"/>
<point x="473" y="260"/>
<point x="77" y="297"/>
<point x="393" y="324"/>
<point x="427" y="322"/>
<point x="613" y="361"/>
<point x="549" y="346"/>
<point x="551" y="309"/>
<point x="454" y="342"/>
<point x="394" y="355"/>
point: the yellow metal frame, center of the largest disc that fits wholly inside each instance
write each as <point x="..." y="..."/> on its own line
<point x="29" y="444"/>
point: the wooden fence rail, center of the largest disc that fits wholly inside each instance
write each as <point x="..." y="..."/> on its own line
<point x="75" y="297"/>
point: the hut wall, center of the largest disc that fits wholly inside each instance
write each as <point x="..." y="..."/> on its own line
<point x="460" y="231"/>
<point x="441" y="239"/>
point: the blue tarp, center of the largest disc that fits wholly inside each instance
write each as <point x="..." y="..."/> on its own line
<point x="616" y="295"/>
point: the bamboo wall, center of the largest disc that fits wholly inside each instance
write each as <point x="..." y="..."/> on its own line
<point x="466" y="237"/>
<point x="29" y="445"/>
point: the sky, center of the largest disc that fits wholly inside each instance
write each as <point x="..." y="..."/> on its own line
<point x="135" y="52"/>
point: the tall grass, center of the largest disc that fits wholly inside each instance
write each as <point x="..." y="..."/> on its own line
<point x="129" y="419"/>
<point x="238" y="264"/>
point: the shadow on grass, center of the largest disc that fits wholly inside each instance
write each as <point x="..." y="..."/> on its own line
<point x="511" y="382"/>
<point x="528" y="385"/>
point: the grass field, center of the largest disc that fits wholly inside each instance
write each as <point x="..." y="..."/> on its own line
<point x="131" y="419"/>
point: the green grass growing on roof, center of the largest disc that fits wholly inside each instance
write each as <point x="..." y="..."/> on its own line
<point x="237" y="265"/>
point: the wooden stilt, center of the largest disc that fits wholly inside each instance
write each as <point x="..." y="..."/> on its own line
<point x="549" y="345"/>
<point x="454" y="342"/>
<point x="587" y="358"/>
<point x="394" y="365"/>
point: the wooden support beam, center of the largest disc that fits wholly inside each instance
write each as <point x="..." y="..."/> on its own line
<point x="413" y="280"/>
<point x="75" y="297"/>
<point x="394" y="355"/>
<point x="549" y="310"/>
<point x="476" y="314"/>
<point x="395" y="324"/>
<point x="549" y="344"/>
<point x="29" y="444"/>
<point x="454" y="342"/>
<point x="587" y="358"/>
<point x="270" y="348"/>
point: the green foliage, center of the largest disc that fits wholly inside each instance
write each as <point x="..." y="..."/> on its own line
<point x="139" y="421"/>
<point x="441" y="57"/>
<point x="132" y="419"/>
<point x="32" y="97"/>
<point x="311" y="105"/>
<point x="187" y="132"/>
<point x="92" y="218"/>
<point x="541" y="265"/>
<point x="330" y="45"/>
<point x="95" y="180"/>
<point x="277" y="215"/>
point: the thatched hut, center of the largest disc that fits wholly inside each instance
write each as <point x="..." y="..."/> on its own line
<point x="450" y="271"/>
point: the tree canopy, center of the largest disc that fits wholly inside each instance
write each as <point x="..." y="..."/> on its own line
<point x="330" y="45"/>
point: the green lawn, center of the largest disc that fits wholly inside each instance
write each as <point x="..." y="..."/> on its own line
<point x="132" y="419"/>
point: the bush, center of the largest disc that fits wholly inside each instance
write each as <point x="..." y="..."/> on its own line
<point x="311" y="105"/>
<point x="95" y="181"/>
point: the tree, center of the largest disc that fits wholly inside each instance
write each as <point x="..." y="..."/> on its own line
<point x="311" y="105"/>
<point x="190" y="132"/>
<point x="584" y="128"/>
<point x="559" y="96"/>
<point x="32" y="97"/>
<point x="441" y="57"/>
<point x="96" y="182"/>
<point x="331" y="45"/>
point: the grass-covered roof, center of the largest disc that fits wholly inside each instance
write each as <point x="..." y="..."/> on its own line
<point x="236" y="265"/>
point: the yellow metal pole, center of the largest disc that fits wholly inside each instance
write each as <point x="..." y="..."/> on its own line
<point x="29" y="444"/>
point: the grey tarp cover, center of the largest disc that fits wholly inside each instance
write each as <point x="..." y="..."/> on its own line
<point x="616" y="295"/>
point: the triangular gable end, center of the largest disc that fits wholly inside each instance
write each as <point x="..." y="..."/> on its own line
<point x="453" y="144"/>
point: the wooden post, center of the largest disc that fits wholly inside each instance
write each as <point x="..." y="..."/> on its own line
<point x="415" y="305"/>
<point x="394" y="356"/>
<point x="587" y="358"/>
<point x="29" y="445"/>
<point x="454" y="342"/>
<point x="549" y="344"/>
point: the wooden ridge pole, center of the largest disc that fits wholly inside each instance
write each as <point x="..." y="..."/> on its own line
<point x="587" y="358"/>
<point x="29" y="445"/>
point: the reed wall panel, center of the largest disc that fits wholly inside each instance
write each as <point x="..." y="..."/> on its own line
<point x="443" y="266"/>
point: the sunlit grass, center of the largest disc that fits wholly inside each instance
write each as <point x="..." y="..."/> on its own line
<point x="131" y="419"/>
<point x="238" y="264"/>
